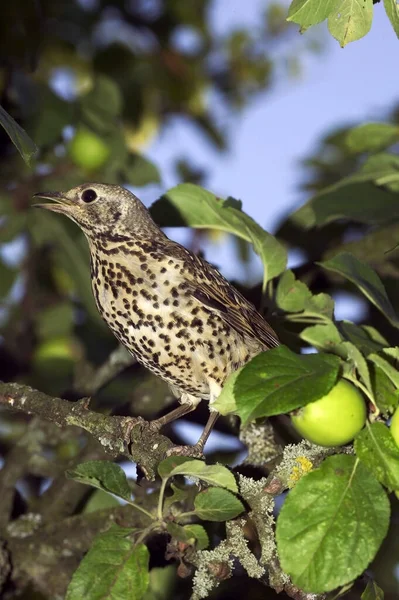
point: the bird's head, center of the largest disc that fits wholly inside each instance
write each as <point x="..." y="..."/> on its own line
<point x="102" y="209"/>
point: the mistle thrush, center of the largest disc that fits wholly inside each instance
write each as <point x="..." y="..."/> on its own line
<point x="171" y="309"/>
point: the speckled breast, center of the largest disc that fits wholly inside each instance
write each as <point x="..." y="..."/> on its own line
<point x="148" y="305"/>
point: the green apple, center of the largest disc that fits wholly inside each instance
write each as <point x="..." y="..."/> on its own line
<point x="87" y="150"/>
<point x="395" y="426"/>
<point x="334" y="419"/>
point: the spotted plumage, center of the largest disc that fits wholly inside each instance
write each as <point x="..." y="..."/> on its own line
<point x="170" y="308"/>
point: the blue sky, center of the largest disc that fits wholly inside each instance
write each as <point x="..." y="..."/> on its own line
<point x="339" y="86"/>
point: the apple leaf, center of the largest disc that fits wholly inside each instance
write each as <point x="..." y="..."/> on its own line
<point x="102" y="474"/>
<point x="279" y="381"/>
<point x="113" y="568"/>
<point x="190" y="205"/>
<point x="217" y="504"/>
<point x="350" y="20"/>
<point x="332" y="524"/>
<point x="371" y="137"/>
<point x="291" y="294"/>
<point x="366" y="279"/>
<point x="21" y="140"/>
<point x="377" y="449"/>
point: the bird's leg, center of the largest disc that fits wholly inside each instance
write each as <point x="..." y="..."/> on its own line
<point x="207" y="430"/>
<point x="198" y="448"/>
<point x="187" y="404"/>
<point x="174" y="414"/>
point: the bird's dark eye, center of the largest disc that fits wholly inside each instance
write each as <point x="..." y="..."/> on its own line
<point x="89" y="195"/>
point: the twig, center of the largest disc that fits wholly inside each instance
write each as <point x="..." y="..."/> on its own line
<point x="89" y="383"/>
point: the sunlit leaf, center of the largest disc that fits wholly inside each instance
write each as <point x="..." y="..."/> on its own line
<point x="350" y="20"/>
<point x="279" y="381"/>
<point x="193" y="206"/>
<point x="392" y="10"/>
<point x="310" y="12"/>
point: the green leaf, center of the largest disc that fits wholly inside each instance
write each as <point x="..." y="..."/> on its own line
<point x="377" y="449"/>
<point x="225" y="403"/>
<point x="350" y="20"/>
<point x="360" y="337"/>
<point x="323" y="337"/>
<point x="25" y="146"/>
<point x="166" y="466"/>
<point x="331" y="525"/>
<point x="179" y="495"/>
<point x="291" y="294"/>
<point x="217" y="504"/>
<point x="393" y="353"/>
<point x="99" y="500"/>
<point x="371" y="137"/>
<point x="213" y="474"/>
<point x="198" y="533"/>
<point x="355" y="360"/>
<point x="338" y="201"/>
<point x="193" y="206"/>
<point x="279" y="381"/>
<point x="321" y="304"/>
<point x="372" y="592"/>
<point x="366" y="279"/>
<point x="102" y="104"/>
<point x="385" y="394"/>
<point x="310" y="12"/>
<point x="392" y="10"/>
<point x="162" y="583"/>
<point x="375" y="335"/>
<point x="383" y="169"/>
<point x="189" y="534"/>
<point x="114" y="568"/>
<point x="386" y="366"/>
<point x="104" y="475"/>
<point x="140" y="171"/>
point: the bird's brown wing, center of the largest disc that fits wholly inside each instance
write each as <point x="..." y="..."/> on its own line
<point x="210" y="288"/>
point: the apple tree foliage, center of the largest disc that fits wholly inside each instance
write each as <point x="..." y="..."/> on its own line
<point x="72" y="524"/>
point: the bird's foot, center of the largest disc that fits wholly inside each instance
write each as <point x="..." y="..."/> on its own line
<point x="130" y="423"/>
<point x="195" y="451"/>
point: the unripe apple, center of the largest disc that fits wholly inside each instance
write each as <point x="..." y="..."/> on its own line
<point x="87" y="150"/>
<point x="334" y="419"/>
<point x="395" y="426"/>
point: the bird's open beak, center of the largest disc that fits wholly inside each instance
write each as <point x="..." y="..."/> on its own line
<point x="60" y="203"/>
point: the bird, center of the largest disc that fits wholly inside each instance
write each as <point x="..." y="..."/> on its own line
<point x="169" y="307"/>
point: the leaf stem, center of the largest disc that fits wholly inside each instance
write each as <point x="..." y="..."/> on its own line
<point x="365" y="391"/>
<point x="307" y="317"/>
<point x="161" y="497"/>
<point x="141" y="509"/>
<point x="190" y="513"/>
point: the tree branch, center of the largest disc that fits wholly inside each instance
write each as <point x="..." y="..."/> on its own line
<point x="142" y="445"/>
